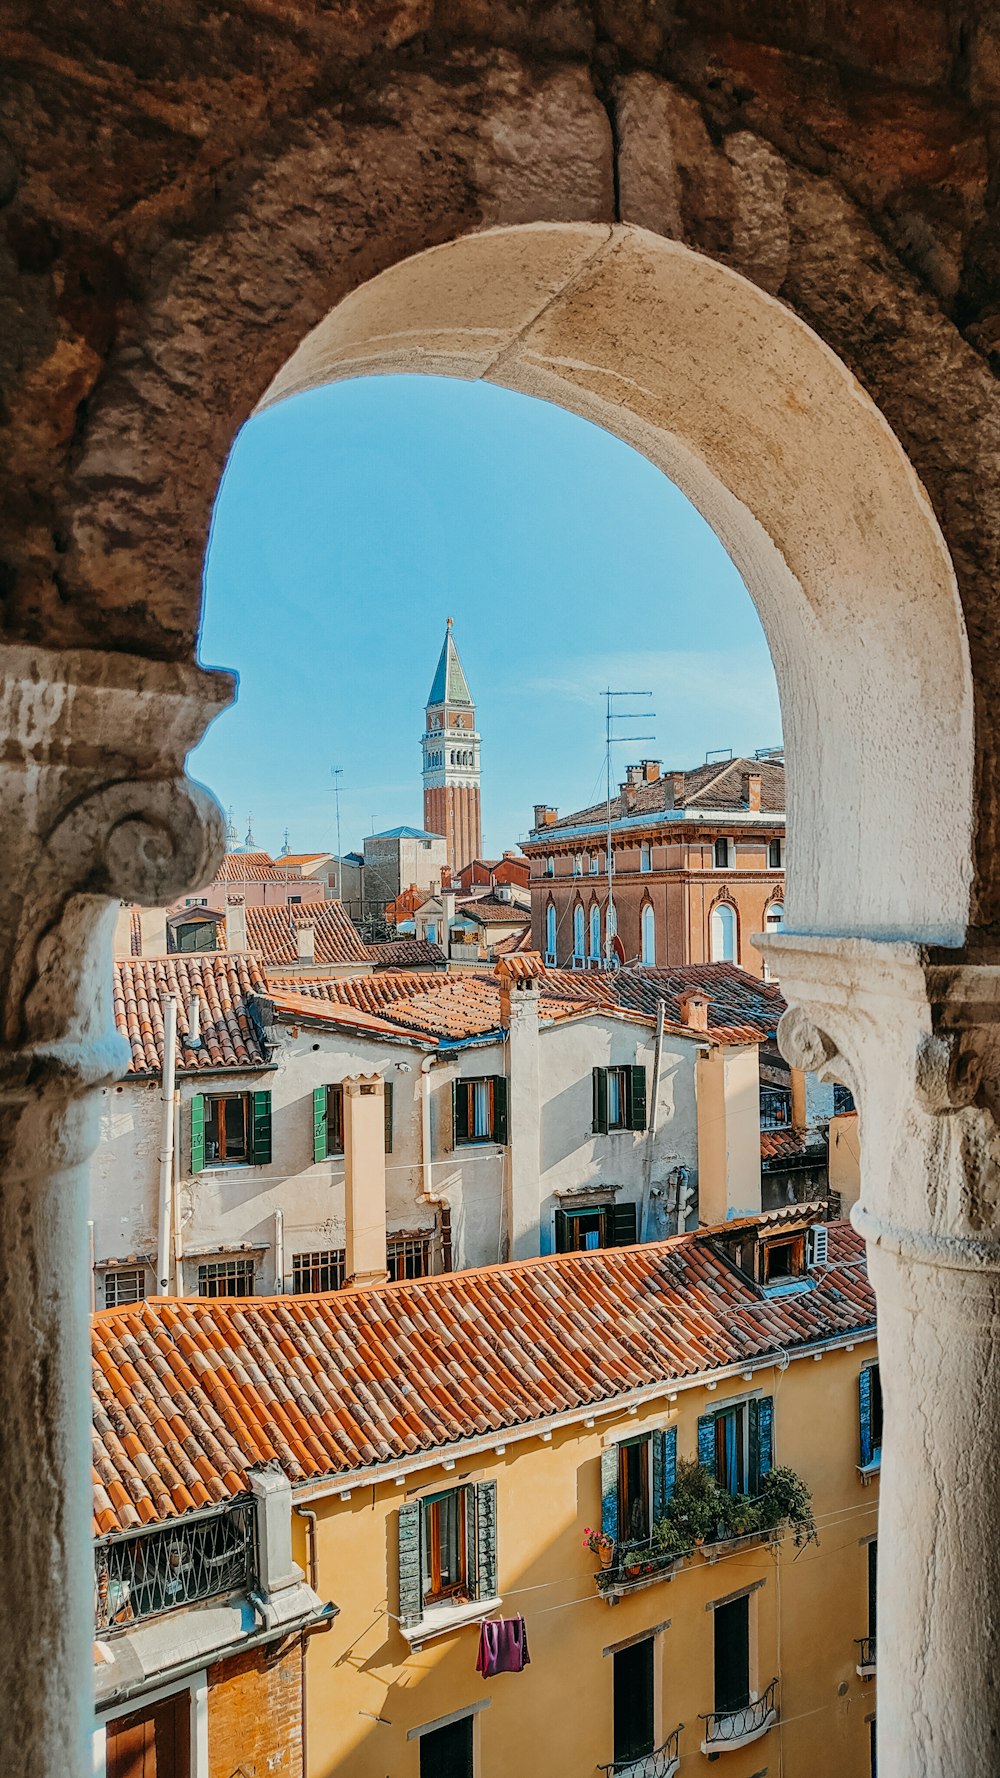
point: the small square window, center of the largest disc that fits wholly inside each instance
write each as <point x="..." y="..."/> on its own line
<point x="408" y="1256"/>
<point x="318" y="1271"/>
<point x="226" y="1277"/>
<point x="124" y="1284"/>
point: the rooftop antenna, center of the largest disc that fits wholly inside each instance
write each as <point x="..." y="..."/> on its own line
<point x="337" y="772"/>
<point x="611" y="716"/>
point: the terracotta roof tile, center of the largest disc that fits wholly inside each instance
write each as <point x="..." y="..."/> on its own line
<point x="271" y="932"/>
<point x="403" y="953"/>
<point x="706" y="788"/>
<point x="336" y="1383"/>
<point x="248" y="867"/>
<point x="786" y="1145"/>
<point x="220" y="980"/>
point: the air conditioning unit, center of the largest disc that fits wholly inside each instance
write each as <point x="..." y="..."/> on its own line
<point x="819" y="1245"/>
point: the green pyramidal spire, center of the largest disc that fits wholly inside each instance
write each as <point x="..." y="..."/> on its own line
<point x="449" y="685"/>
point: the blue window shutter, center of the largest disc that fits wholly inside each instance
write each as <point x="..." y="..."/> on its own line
<point x="486" y="1540"/>
<point x="664" y="1470"/>
<point x="609" y="1491"/>
<point x="319" y="1123"/>
<point x="669" y="1462"/>
<point x="865" y="1415"/>
<point x="410" y="1602"/>
<point x="765" y="1437"/>
<point x="197" y="1133"/>
<point x="706" y="1441"/>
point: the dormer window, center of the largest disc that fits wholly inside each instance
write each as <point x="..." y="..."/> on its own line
<point x="783" y="1258"/>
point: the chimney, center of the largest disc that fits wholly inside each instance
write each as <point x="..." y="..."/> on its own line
<point x="633" y="774"/>
<point x="694" y="1010"/>
<point x="236" y="924"/>
<point x="675" y="785"/>
<point x="272" y="1492"/>
<point x="305" y="942"/>
<point x="650" y="769"/>
<point x="448" y="906"/>
<point x="364" y="1178"/>
<point x="629" y="792"/>
<point x="544" y="815"/>
<point x="153" y="926"/>
<point x="727" y="1094"/>
<point x="123" y="931"/>
<point x="518" y="978"/>
<point x="502" y="892"/>
<point x="750" y="782"/>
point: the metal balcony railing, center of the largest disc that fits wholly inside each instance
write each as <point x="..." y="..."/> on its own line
<point x="636" y="1563"/>
<point x="662" y="1762"/>
<point x="866" y="1654"/>
<point x="728" y="1727"/>
<point x="150" y="1572"/>
<point x="775" y="1109"/>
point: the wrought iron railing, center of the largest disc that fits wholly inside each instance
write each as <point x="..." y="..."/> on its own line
<point x="149" y="1572"/>
<point x="636" y="1562"/>
<point x="866" y="1651"/>
<point x="722" y="1726"/>
<point x="661" y="1763"/>
<point x="775" y="1109"/>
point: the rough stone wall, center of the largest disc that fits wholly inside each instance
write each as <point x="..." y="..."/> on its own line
<point x="186" y="193"/>
<point x="255" y="1715"/>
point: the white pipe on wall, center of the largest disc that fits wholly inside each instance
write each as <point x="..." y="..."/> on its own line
<point x="178" y="1225"/>
<point x="279" y="1252"/>
<point x="166" y="1148"/>
<point x="425" y="1126"/>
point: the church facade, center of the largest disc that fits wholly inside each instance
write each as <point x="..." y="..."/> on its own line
<point x="451" y="760"/>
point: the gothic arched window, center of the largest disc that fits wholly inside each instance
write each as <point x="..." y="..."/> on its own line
<point x="648" y="940"/>
<point x="723" y="939"/>
<point x="579" y="932"/>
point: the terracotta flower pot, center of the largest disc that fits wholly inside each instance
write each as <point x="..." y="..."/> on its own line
<point x="606" y="1554"/>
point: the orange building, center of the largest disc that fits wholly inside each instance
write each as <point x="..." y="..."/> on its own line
<point x="451" y="760"/>
<point x="698" y="868"/>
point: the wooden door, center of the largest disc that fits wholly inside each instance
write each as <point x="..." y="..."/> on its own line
<point x="154" y="1742"/>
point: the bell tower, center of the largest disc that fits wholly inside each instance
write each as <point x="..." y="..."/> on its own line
<point x="451" y="760"/>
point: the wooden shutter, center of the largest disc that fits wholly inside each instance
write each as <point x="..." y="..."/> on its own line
<point x="623" y="1226"/>
<point x="664" y="1470"/>
<point x="320" y="1149"/>
<point x="388" y="1117"/>
<point x="765" y="1437"/>
<point x="459" y="1112"/>
<point x="467" y="1506"/>
<point x="198" y="1133"/>
<point x="706" y="1441"/>
<point x="609" y="1491"/>
<point x="562" y="1232"/>
<point x="500" y="1118"/>
<point x="637" y="1099"/>
<point x="261" y="1110"/>
<point x="410" y="1583"/>
<point x="486" y="1540"/>
<point x="865" y="1415"/>
<point x="601" y="1101"/>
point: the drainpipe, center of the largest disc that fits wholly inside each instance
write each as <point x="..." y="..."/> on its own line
<point x="279" y="1253"/>
<point x="178" y="1224"/>
<point x="654" y="1111"/>
<point x="166" y="1148"/>
<point x="93" y="1282"/>
<point x="427" y="1186"/>
<point x="306" y="1512"/>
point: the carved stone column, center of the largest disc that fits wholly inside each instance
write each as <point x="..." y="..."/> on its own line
<point x="914" y="1033"/>
<point x="94" y="808"/>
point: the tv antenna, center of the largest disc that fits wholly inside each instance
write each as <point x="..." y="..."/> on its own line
<point x="611" y="740"/>
<point x="337" y="772"/>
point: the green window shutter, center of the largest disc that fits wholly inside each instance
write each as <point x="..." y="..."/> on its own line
<point x="261" y="1109"/>
<point x="410" y="1601"/>
<point x="198" y="1135"/>
<point x="706" y="1441"/>
<point x="486" y="1540"/>
<point x="500" y="1120"/>
<point x="459" y="1112"/>
<point x="388" y="1117"/>
<point x="664" y="1470"/>
<point x="601" y="1101"/>
<point x="609" y="1491"/>
<point x="319" y="1124"/>
<point x="623" y="1225"/>
<point x="865" y="1415"/>
<point x="562" y="1232"/>
<point x="637" y="1099"/>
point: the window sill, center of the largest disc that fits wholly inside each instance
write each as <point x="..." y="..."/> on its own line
<point x="714" y="1748"/>
<point x="441" y="1620"/>
<point x="868" y="1471"/>
<point x="481" y="1142"/>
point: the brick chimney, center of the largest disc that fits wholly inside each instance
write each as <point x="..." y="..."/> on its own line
<point x="633" y="774"/>
<point x="750" y="782"/>
<point x="629" y="790"/>
<point x="650" y="769"/>
<point x="674" y="794"/>
<point x="727" y="1094"/>
<point x="694" y="1010"/>
<point x="364" y="1179"/>
<point x="305" y="942"/>
<point x="236" y="924"/>
<point x="545" y="815"/>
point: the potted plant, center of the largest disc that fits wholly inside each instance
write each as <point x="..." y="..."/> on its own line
<point x="784" y="1495"/>
<point x="600" y="1545"/>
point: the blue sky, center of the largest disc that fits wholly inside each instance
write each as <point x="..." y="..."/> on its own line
<point x="352" y="521"/>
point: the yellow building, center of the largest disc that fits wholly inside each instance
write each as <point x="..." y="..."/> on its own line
<point x="450" y="1441"/>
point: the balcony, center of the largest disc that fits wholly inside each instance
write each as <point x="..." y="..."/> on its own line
<point x="866" y="1656"/>
<point x="638" y="1565"/>
<point x="727" y="1730"/>
<point x="184" y="1563"/>
<point x="663" y="1762"/>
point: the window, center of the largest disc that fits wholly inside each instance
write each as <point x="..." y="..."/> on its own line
<point x="447" y="1752"/>
<point x="637" y="1480"/>
<point x="578" y="864"/>
<point x="595" y="863"/>
<point x="619" y="1099"/>
<point x="775" y="1108"/>
<point x="447" y="1550"/>
<point x="124" y="1284"/>
<point x="595" y="932"/>
<point x="294" y="900"/>
<point x="648" y="935"/>
<point x="775" y="854"/>
<point x="645" y="856"/>
<point x="781" y="1259"/>
<point x="432" y="932"/>
<point x="550" y="866"/>
<point x="323" y="1270"/>
<point x="226" y="1277"/>
<point x="408" y="1256"/>
<point x="633" y="1700"/>
<point x="870" y="1416"/>
<point x="873" y="1748"/>
<point x="600" y="1225"/>
<point x="479" y="1110"/>
<point x="155" y="1740"/>
<point x="736" y="1444"/>
<point x="230" y="1130"/>
<point x="732" y="1655"/>
<point x="843" y="1100"/>
<point x="724" y="854"/>
<point x="579" y="932"/>
<point x="550" y="931"/>
<point x="328" y="1120"/>
<point x="774" y="916"/>
<point x="723" y="933"/>
<point x="873" y="1586"/>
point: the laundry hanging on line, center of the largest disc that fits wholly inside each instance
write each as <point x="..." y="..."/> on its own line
<point x="503" y="1646"/>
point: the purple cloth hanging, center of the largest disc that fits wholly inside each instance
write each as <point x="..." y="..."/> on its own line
<point x="503" y="1646"/>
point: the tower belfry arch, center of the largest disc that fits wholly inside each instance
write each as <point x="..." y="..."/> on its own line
<point x="451" y="759"/>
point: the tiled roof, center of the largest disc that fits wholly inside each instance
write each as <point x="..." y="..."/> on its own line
<point x="135" y="931"/>
<point x="791" y="1145"/>
<point x="297" y="858"/>
<point x="741" y="1008"/>
<point x="706" y="789"/>
<point x="271" y="933"/>
<point x="399" y="953"/>
<point x="518" y="941"/>
<point x="490" y="910"/>
<point x="248" y="867"/>
<point x="221" y="980"/>
<point x="189" y="1392"/>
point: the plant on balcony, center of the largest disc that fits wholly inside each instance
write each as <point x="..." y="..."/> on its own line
<point x="600" y="1545"/>
<point x="784" y="1495"/>
<point x="701" y="1511"/>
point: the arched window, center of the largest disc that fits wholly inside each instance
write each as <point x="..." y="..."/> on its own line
<point x="648" y="926"/>
<point x="595" y="930"/>
<point x="724" y="854"/>
<point x="550" y="930"/>
<point x="550" y="866"/>
<point x="723" y="926"/>
<point x="579" y="932"/>
<point x="774" y="916"/>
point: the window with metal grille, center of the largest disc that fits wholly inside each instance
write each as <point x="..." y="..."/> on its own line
<point x="226" y="1277"/>
<point x="124" y="1284"/>
<point x="775" y="1108"/>
<point x="141" y="1576"/>
<point x="408" y="1256"/>
<point x="322" y="1270"/>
